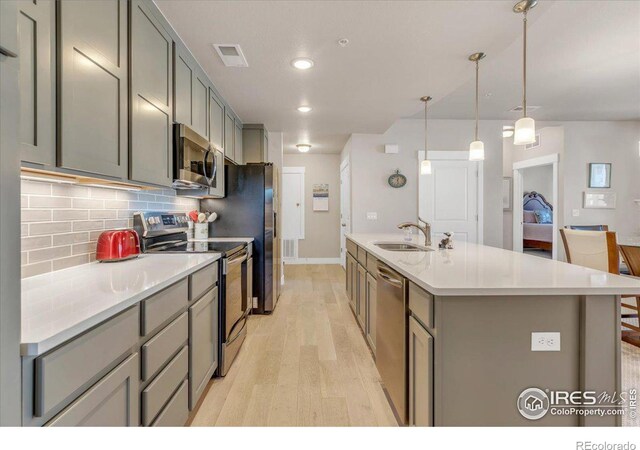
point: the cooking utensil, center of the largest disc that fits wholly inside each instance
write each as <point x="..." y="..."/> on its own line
<point x="212" y="217"/>
<point x="202" y="218"/>
<point x="193" y="215"/>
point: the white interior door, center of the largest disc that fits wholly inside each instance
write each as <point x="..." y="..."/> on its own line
<point x="345" y="209"/>
<point x="449" y="198"/>
<point x="293" y="203"/>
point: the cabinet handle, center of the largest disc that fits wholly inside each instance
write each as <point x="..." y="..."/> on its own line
<point x="7" y="52"/>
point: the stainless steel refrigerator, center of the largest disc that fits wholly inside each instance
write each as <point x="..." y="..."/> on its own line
<point x="250" y="209"/>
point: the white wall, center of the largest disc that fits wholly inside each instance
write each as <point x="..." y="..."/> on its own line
<point x="370" y="168"/>
<point x="540" y="180"/>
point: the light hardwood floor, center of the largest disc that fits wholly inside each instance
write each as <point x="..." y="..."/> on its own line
<point x="307" y="364"/>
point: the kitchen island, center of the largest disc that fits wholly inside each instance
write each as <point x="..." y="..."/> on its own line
<point x="469" y="314"/>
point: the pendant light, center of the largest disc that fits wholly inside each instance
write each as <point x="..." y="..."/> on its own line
<point x="425" y="165"/>
<point x="525" y="129"/>
<point x="476" y="148"/>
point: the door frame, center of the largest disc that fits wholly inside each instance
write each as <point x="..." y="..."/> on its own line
<point x="460" y="155"/>
<point x="296" y="170"/>
<point x="552" y="160"/>
<point x="345" y="207"/>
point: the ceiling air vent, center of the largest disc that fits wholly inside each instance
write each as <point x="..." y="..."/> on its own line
<point x="529" y="108"/>
<point x="231" y="55"/>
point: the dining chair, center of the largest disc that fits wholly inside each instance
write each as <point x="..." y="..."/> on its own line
<point x="631" y="255"/>
<point x="594" y="249"/>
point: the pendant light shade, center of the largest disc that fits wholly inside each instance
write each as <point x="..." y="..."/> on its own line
<point x="476" y="148"/>
<point x="425" y="165"/>
<point x="525" y="129"/>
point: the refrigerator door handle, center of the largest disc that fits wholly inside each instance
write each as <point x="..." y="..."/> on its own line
<point x="275" y="225"/>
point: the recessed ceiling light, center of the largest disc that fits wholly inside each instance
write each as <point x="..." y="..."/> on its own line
<point x="507" y="131"/>
<point x="302" y="63"/>
<point x="304" y="148"/>
<point x="304" y="109"/>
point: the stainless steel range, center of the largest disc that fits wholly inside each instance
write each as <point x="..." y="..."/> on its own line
<point x="163" y="232"/>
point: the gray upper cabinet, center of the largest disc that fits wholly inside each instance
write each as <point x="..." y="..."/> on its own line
<point x="229" y="132"/>
<point x="92" y="66"/>
<point x="191" y="91"/>
<point x="238" y="143"/>
<point x="255" y="143"/>
<point x="216" y="119"/>
<point x="36" y="41"/>
<point x="113" y="401"/>
<point x="151" y="146"/>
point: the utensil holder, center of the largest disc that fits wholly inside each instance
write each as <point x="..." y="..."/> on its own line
<point x="201" y="230"/>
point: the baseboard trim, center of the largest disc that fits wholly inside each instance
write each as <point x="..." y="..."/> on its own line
<point x="313" y="261"/>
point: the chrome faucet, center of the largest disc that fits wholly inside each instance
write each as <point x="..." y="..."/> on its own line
<point x="426" y="230"/>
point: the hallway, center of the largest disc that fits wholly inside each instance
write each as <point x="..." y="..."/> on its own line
<point x="307" y="364"/>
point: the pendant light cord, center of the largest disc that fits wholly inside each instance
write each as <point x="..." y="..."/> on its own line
<point x="477" y="97"/>
<point x="524" y="65"/>
<point x="425" y="130"/>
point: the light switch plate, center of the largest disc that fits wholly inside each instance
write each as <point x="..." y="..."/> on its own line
<point x="372" y="216"/>
<point x="575" y="212"/>
<point x="545" y="341"/>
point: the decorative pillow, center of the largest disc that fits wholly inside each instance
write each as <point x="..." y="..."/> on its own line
<point x="529" y="217"/>
<point x="544" y="216"/>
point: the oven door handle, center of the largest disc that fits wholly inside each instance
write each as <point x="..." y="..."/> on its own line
<point x="238" y="258"/>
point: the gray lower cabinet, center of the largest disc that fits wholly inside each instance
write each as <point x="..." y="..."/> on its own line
<point x="216" y="119"/>
<point x="92" y="95"/>
<point x="112" y="401"/>
<point x="229" y="132"/>
<point x="352" y="281"/>
<point x="371" y="317"/>
<point x="361" y="299"/>
<point x="36" y="42"/>
<point x="176" y="413"/>
<point x="420" y="375"/>
<point x="151" y="145"/>
<point x="203" y="344"/>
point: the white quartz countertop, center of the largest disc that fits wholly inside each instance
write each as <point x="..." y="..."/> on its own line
<point x="248" y="240"/>
<point x="60" y="305"/>
<point x="471" y="269"/>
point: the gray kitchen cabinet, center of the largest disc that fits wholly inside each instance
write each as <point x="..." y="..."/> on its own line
<point x="36" y="44"/>
<point x="216" y="119"/>
<point x="361" y="299"/>
<point x="151" y="146"/>
<point x="352" y="280"/>
<point x="92" y="95"/>
<point x="112" y="401"/>
<point x="203" y="344"/>
<point x="229" y="132"/>
<point x="371" y="317"/>
<point x="255" y="142"/>
<point x="237" y="141"/>
<point x="191" y="91"/>
<point x="420" y="375"/>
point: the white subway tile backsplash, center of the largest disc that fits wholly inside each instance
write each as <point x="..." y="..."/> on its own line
<point x="62" y="222"/>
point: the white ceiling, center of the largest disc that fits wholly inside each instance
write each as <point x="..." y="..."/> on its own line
<point x="584" y="61"/>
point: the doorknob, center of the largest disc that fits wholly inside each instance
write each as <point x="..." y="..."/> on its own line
<point x="344" y="224"/>
<point x="297" y="204"/>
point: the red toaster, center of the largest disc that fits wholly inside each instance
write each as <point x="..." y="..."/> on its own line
<point x="117" y="245"/>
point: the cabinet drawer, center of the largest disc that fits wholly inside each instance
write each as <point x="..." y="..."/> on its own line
<point x="421" y="304"/>
<point x="111" y="402"/>
<point x="157" y="351"/>
<point x="161" y="307"/>
<point x="352" y="248"/>
<point x="372" y="265"/>
<point x="203" y="280"/>
<point x="65" y="370"/>
<point x="176" y="413"/>
<point x="158" y="392"/>
<point x="362" y="256"/>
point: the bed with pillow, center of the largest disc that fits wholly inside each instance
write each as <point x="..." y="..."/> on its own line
<point x="537" y="223"/>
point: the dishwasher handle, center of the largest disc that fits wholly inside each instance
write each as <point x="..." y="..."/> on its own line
<point x="390" y="277"/>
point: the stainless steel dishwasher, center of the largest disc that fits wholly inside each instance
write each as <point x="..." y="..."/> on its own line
<point x="391" y="337"/>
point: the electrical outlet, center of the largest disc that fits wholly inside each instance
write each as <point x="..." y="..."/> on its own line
<point x="255" y="302"/>
<point x="372" y="216"/>
<point x="575" y="212"/>
<point x="545" y="341"/>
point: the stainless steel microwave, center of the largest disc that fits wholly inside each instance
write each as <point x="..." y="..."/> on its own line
<point x="198" y="164"/>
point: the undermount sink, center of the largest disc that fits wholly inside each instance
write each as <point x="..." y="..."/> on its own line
<point x="402" y="247"/>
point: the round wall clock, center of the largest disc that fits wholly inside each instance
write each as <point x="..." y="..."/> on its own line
<point x="397" y="180"/>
